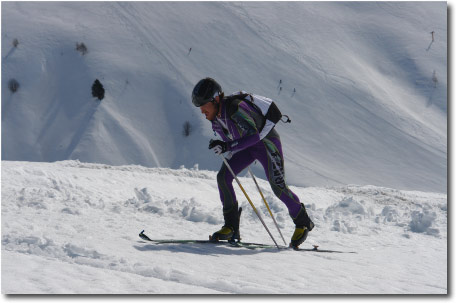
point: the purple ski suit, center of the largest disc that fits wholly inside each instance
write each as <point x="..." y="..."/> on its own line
<point x="239" y="124"/>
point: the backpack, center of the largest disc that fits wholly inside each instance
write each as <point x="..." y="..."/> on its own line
<point x="263" y="105"/>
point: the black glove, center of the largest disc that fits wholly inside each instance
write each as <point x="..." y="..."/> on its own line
<point x="219" y="147"/>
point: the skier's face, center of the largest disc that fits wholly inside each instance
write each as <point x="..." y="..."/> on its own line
<point x="210" y="109"/>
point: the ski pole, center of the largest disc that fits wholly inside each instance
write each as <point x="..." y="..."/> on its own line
<point x="251" y="204"/>
<point x="267" y="205"/>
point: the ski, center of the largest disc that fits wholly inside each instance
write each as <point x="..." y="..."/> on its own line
<point x="247" y="245"/>
<point x="143" y="236"/>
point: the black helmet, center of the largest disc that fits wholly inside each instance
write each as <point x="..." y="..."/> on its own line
<point x="205" y="91"/>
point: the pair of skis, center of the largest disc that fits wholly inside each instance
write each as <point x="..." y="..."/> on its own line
<point x="239" y="244"/>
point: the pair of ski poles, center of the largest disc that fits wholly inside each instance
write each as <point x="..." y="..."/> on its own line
<point x="251" y="203"/>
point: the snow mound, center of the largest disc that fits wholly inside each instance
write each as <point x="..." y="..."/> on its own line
<point x="345" y="214"/>
<point x="422" y="221"/>
<point x="188" y="209"/>
<point x="348" y="206"/>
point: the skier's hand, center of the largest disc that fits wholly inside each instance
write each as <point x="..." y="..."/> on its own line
<point x="219" y="147"/>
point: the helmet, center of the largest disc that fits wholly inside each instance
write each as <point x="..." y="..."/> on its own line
<point x="205" y="90"/>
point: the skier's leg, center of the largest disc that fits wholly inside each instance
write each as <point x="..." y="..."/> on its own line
<point x="271" y="157"/>
<point x="238" y="162"/>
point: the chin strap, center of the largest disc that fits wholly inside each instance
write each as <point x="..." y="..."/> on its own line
<point x="218" y="104"/>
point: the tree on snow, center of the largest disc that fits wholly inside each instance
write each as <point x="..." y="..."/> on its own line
<point x="98" y="90"/>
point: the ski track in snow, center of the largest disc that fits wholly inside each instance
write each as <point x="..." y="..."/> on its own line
<point x="72" y="227"/>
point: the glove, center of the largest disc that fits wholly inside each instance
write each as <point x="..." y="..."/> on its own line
<point x="219" y="147"/>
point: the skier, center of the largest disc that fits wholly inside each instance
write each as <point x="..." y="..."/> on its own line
<point x="239" y="124"/>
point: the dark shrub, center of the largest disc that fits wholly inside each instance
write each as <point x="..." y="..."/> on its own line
<point x="187" y="129"/>
<point x="98" y="90"/>
<point x="13" y="85"/>
<point x="80" y="47"/>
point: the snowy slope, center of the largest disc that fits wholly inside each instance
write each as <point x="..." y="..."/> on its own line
<point x="71" y="227"/>
<point x="366" y="109"/>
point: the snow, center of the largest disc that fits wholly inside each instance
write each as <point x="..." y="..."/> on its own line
<point x="71" y="228"/>
<point x="366" y="150"/>
<point x="365" y="111"/>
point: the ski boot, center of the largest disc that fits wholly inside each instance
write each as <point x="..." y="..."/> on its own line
<point x="229" y="231"/>
<point x="303" y="226"/>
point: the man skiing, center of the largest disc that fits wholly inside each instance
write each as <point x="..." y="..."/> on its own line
<point x="242" y="127"/>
